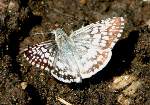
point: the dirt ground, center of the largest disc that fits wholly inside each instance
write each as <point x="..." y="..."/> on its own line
<point x="124" y="81"/>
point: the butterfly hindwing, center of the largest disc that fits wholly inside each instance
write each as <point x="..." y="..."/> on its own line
<point x="65" y="69"/>
<point x="95" y="62"/>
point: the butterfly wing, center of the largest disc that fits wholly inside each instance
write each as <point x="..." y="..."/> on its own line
<point x="65" y="68"/>
<point x="48" y="57"/>
<point x="41" y="55"/>
<point x="94" y="43"/>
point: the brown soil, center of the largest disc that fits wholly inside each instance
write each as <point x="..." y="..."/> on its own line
<point x="124" y="81"/>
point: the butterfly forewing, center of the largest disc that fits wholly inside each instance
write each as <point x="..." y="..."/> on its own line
<point x="104" y="34"/>
<point x="41" y="55"/>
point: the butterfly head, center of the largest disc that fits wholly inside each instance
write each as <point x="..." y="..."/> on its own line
<point x="59" y="33"/>
<point x="60" y="36"/>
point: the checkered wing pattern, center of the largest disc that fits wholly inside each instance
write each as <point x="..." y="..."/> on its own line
<point x="41" y="55"/>
<point x="94" y="43"/>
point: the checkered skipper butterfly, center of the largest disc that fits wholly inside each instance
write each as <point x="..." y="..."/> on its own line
<point x="80" y="55"/>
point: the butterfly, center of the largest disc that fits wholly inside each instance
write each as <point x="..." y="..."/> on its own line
<point x="80" y="55"/>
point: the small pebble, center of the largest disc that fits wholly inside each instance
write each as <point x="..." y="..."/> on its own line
<point x="23" y="85"/>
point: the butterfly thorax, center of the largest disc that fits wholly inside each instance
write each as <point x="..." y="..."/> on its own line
<point x="62" y="40"/>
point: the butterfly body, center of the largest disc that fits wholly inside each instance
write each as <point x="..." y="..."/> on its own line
<point x="80" y="55"/>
